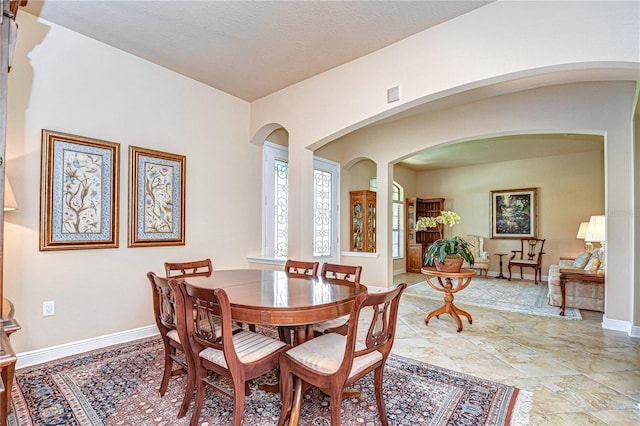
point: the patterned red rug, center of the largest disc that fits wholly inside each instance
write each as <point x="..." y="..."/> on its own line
<point x="118" y="385"/>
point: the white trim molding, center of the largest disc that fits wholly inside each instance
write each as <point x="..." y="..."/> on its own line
<point x="38" y="356"/>
<point x="619" y="325"/>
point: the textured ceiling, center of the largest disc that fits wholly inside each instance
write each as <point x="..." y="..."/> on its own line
<point x="249" y="48"/>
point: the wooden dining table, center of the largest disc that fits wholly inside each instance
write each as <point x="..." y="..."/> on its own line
<point x="268" y="297"/>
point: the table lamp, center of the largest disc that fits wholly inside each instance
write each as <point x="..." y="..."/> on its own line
<point x="582" y="232"/>
<point x="596" y="231"/>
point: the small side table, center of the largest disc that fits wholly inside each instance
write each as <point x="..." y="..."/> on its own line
<point x="500" y="274"/>
<point x="447" y="286"/>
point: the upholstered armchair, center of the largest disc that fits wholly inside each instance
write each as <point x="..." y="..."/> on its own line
<point x="480" y="256"/>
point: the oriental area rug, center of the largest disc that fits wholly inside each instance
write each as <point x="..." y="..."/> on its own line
<point x="522" y="296"/>
<point x="118" y="385"/>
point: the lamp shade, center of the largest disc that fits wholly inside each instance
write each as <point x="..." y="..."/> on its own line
<point x="582" y="231"/>
<point x="596" y="231"/>
<point x="9" y="200"/>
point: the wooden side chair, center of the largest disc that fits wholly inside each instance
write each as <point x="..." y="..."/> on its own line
<point x="296" y="268"/>
<point x="340" y="272"/>
<point x="239" y="357"/>
<point x="198" y="268"/>
<point x="164" y="312"/>
<point x="529" y="256"/>
<point x="333" y="361"/>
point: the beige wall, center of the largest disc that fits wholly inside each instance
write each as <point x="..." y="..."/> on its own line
<point x="66" y="82"/>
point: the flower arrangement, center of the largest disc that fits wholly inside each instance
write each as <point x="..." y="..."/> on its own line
<point x="443" y="248"/>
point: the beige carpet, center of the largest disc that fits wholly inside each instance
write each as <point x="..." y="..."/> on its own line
<point x="522" y="296"/>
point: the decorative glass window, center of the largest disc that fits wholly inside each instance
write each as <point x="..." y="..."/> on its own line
<point x="275" y="212"/>
<point x="397" y="231"/>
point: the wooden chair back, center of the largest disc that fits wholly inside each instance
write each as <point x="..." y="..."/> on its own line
<point x="164" y="304"/>
<point x="164" y="312"/>
<point x="341" y="272"/>
<point x="530" y="249"/>
<point x="529" y="256"/>
<point x="297" y="267"/>
<point x="197" y="268"/>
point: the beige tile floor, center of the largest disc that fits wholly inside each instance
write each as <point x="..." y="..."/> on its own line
<point x="579" y="373"/>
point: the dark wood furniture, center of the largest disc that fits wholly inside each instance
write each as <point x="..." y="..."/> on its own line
<point x="7" y="370"/>
<point x="501" y="275"/>
<point x="529" y="256"/>
<point x="419" y="241"/>
<point x="164" y="313"/>
<point x="260" y="296"/>
<point x="363" y="221"/>
<point x="293" y="268"/>
<point x="346" y="274"/>
<point x="268" y="297"/>
<point x="576" y="276"/>
<point x="240" y="357"/>
<point x="445" y="283"/>
<point x="188" y="269"/>
<point x="297" y="267"/>
<point x="328" y="361"/>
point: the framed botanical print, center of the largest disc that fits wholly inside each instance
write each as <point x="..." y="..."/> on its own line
<point x="156" y="198"/>
<point x="79" y="187"/>
<point x="514" y="213"/>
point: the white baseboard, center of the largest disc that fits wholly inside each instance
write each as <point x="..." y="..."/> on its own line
<point x="635" y="331"/>
<point x="38" y="356"/>
<point x="618" y="325"/>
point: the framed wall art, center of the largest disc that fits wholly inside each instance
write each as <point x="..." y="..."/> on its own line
<point x="156" y="198"/>
<point x="514" y="213"/>
<point x="79" y="187"/>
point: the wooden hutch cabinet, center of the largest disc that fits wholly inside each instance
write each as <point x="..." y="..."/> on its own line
<point x="418" y="241"/>
<point x="363" y="221"/>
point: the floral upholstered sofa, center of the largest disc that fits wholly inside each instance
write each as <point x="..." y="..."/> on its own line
<point x="579" y="294"/>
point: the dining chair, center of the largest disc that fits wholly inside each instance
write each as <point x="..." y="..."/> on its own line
<point x="529" y="256"/>
<point x="239" y="357"/>
<point x="296" y="268"/>
<point x="197" y="268"/>
<point x="164" y="312"/>
<point x="346" y="273"/>
<point x="333" y="361"/>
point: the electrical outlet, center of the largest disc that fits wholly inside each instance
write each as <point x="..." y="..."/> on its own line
<point x="48" y="308"/>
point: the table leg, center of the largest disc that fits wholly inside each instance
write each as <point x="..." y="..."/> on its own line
<point x="562" y="290"/>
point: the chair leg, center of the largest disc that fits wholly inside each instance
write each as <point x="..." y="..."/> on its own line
<point x="521" y="276"/>
<point x="200" y="393"/>
<point x="377" y="384"/>
<point x="168" y="365"/>
<point x="240" y="387"/>
<point x="286" y="396"/>
<point x="336" y="402"/>
<point x="188" y="392"/>
<point x="509" y="273"/>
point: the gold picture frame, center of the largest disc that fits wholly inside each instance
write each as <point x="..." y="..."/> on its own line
<point x="79" y="187"/>
<point x="514" y="213"/>
<point x="156" y="198"/>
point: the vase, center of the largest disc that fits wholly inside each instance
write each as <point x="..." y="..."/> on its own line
<point x="451" y="264"/>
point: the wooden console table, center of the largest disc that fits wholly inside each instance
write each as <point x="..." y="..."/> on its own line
<point x="575" y="275"/>
<point x="445" y="284"/>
